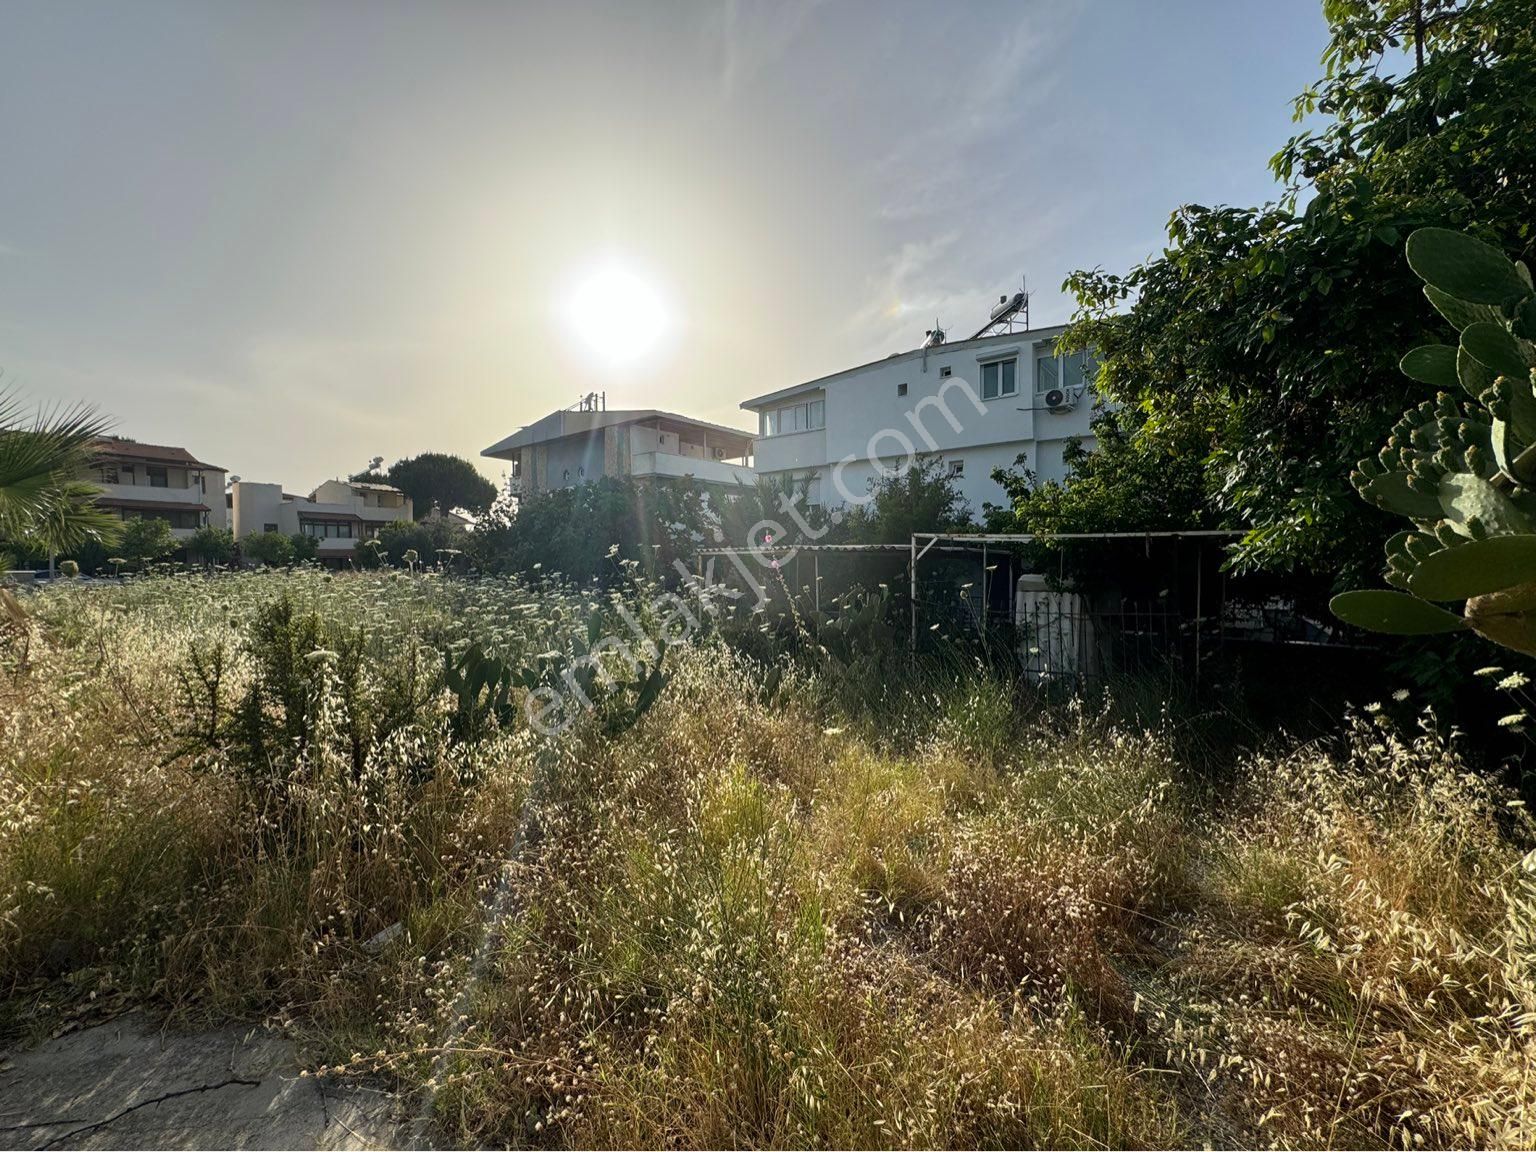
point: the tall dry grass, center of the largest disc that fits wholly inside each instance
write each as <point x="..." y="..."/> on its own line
<point x="752" y="919"/>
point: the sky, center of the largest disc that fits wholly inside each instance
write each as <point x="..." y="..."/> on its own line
<point x="293" y="237"/>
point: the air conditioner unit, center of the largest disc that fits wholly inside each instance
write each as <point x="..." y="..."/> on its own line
<point x="1060" y="400"/>
<point x="719" y="453"/>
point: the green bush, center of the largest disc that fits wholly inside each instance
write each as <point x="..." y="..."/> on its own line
<point x="145" y="541"/>
<point x="212" y="545"/>
<point x="272" y="549"/>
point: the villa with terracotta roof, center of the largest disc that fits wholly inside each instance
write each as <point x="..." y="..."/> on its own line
<point x="141" y="481"/>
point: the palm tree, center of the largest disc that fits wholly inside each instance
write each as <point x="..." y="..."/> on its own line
<point x="44" y="505"/>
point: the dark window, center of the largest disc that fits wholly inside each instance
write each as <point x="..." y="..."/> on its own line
<point x="901" y="389"/>
<point x="944" y="373"/>
<point x="269" y="527"/>
<point x="109" y="473"/>
<point x="175" y="517"/>
<point x="157" y="476"/>
<point x="999" y="379"/>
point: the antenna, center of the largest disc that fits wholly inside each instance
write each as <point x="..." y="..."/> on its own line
<point x="1009" y="311"/>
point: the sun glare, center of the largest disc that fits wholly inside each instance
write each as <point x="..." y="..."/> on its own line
<point x="617" y="315"/>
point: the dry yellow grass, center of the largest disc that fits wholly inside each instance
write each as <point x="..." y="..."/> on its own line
<point x="749" y="921"/>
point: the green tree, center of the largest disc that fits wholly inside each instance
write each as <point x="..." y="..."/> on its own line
<point x="1264" y="341"/>
<point x="272" y="549"/>
<point x="212" y="545"/>
<point x="303" y="547"/>
<point x="144" y="541"/>
<point x="922" y="498"/>
<point x="438" y="478"/>
<point x="585" y="531"/>
<point x="45" y="507"/>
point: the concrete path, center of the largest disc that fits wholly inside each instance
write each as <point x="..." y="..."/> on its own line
<point x="126" y="1084"/>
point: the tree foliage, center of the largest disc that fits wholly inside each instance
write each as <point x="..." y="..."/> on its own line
<point x="437" y="478"/>
<point x="1263" y="342"/>
<point x="583" y="532"/>
<point x="921" y="498"/>
<point x="398" y="537"/>
<point x="45" y="506"/>
<point x="144" y="541"/>
<point x="212" y="545"/>
<point x="272" y="549"/>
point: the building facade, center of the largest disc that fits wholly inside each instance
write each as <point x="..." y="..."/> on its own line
<point x="580" y="445"/>
<point x="339" y="514"/>
<point x="158" y="482"/>
<point x="974" y="404"/>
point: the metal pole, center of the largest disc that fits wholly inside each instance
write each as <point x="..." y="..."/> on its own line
<point x="986" y="603"/>
<point x="1199" y="577"/>
<point x="913" y="574"/>
<point x="816" y="576"/>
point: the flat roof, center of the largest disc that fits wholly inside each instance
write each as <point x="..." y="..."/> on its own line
<point x="902" y="357"/>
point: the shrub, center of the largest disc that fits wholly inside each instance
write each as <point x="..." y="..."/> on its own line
<point x="271" y="549"/>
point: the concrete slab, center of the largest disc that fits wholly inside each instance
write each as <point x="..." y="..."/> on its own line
<point x="128" y="1084"/>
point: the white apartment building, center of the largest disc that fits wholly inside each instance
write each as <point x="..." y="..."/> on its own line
<point x="157" y="482"/>
<point x="579" y="445"/>
<point x="340" y="514"/>
<point x="977" y="404"/>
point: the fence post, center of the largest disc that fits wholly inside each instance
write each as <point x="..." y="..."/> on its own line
<point x="912" y="572"/>
<point x="1199" y="583"/>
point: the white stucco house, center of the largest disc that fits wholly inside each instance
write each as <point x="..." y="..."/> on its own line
<point x="157" y="482"/>
<point x="975" y="404"/>
<point x="339" y="514"/>
<point x="579" y="445"/>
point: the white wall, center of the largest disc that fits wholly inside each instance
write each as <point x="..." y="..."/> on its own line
<point x="862" y="405"/>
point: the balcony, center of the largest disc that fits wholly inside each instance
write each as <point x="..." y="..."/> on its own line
<point x="675" y="465"/>
<point x="145" y="494"/>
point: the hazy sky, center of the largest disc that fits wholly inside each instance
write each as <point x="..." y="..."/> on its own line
<point x="291" y="237"/>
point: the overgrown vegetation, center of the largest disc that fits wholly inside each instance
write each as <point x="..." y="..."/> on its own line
<point x="1256" y="358"/>
<point x="814" y="892"/>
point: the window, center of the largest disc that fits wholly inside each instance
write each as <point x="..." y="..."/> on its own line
<point x="175" y="517"/>
<point x="1072" y="371"/>
<point x="269" y="527"/>
<point x="944" y="373"/>
<point x="805" y="417"/>
<point x="327" y="529"/>
<point x="901" y="389"/>
<point x="999" y="378"/>
<point x="157" y="476"/>
<point x="957" y="467"/>
<point x="1047" y="371"/>
<point x="1077" y="370"/>
<point x="128" y="477"/>
<point x="108" y="473"/>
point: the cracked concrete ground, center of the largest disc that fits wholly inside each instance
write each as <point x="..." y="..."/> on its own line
<point x="127" y="1084"/>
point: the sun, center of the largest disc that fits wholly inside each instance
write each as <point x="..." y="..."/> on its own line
<point x="618" y="315"/>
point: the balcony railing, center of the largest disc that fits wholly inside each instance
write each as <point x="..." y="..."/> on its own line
<point x="673" y="464"/>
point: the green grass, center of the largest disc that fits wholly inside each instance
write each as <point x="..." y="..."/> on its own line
<point x="772" y="912"/>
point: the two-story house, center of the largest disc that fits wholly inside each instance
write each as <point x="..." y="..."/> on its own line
<point x="976" y="404"/>
<point x="579" y="445"/>
<point x="339" y="514"/>
<point x="157" y="482"/>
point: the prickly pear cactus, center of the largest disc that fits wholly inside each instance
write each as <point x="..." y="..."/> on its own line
<point x="1462" y="467"/>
